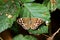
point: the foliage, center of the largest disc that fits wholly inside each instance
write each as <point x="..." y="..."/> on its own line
<point x="25" y="1"/>
<point x="58" y="4"/>
<point x="8" y="14"/>
<point x="42" y="29"/>
<point x="21" y="37"/>
<point x="10" y="10"/>
<point x="35" y="10"/>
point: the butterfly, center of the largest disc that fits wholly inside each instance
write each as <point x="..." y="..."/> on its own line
<point x="30" y="23"/>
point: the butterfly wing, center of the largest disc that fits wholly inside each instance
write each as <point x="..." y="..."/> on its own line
<point x="24" y="22"/>
<point x="28" y="23"/>
<point x="36" y="22"/>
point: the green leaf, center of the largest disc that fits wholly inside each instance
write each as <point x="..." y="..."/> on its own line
<point x="35" y="10"/>
<point x="51" y="6"/>
<point x="8" y="14"/>
<point x="58" y="4"/>
<point x="25" y="1"/>
<point x="42" y="29"/>
<point x="46" y="2"/>
<point x="21" y="37"/>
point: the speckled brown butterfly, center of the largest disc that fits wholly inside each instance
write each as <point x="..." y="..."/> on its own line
<point x="28" y="23"/>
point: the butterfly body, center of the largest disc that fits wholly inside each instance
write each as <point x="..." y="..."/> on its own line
<point x="30" y="23"/>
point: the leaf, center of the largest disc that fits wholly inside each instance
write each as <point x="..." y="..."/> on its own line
<point x="35" y="10"/>
<point x="21" y="37"/>
<point x="46" y="2"/>
<point x="25" y="1"/>
<point x="8" y="14"/>
<point x="2" y="2"/>
<point x="58" y="4"/>
<point x="42" y="29"/>
<point x="52" y="5"/>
